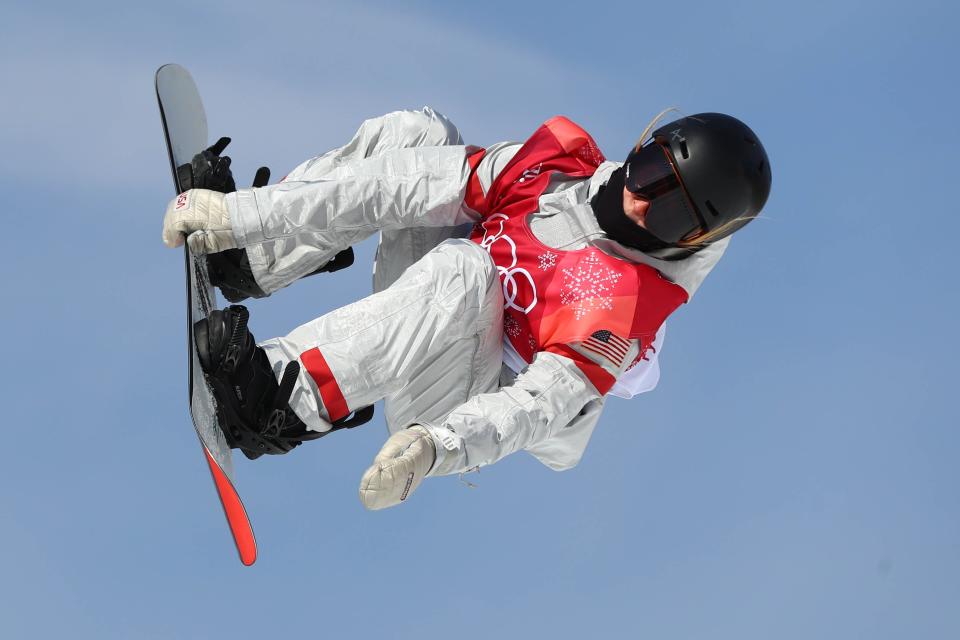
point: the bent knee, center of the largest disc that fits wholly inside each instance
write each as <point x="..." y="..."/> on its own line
<point x="474" y="265"/>
<point x="423" y="128"/>
<point x="441" y="129"/>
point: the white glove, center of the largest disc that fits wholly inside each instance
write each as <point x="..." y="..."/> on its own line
<point x="398" y="469"/>
<point x="202" y="216"/>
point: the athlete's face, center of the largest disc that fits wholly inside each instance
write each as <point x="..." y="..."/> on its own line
<point x="635" y="207"/>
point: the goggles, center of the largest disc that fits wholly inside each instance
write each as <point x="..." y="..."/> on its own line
<point x="651" y="175"/>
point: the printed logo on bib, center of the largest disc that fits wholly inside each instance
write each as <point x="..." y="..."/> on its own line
<point x="530" y="174"/>
<point x="644" y="356"/>
<point x="181" y="201"/>
<point x="508" y="275"/>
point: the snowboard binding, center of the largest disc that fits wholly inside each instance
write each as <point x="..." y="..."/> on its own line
<point x="231" y="273"/>
<point x="252" y="409"/>
<point x="230" y="270"/>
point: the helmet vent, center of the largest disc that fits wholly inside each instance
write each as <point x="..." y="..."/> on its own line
<point x="713" y="209"/>
<point x="751" y="141"/>
<point x="683" y="149"/>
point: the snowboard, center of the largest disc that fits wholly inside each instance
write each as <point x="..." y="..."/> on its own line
<point x="185" y="129"/>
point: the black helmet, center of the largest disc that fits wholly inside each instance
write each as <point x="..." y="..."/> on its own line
<point x="700" y="173"/>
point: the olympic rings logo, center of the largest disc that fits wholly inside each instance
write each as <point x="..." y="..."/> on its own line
<point x="508" y="275"/>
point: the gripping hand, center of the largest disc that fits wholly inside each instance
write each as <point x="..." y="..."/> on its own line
<point x="201" y="216"/>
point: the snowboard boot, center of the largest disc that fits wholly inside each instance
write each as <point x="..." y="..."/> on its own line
<point x="252" y="409"/>
<point x="231" y="273"/>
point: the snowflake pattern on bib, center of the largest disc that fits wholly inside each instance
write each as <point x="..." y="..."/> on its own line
<point x="547" y="260"/>
<point x="511" y="326"/>
<point x="588" y="286"/>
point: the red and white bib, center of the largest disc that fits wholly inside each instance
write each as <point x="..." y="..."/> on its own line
<point x="554" y="297"/>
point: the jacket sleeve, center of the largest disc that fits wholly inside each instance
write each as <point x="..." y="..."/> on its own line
<point x="550" y="410"/>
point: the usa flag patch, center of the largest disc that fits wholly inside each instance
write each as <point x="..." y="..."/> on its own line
<point x="608" y="345"/>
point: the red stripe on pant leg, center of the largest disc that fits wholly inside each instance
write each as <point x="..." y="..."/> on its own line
<point x="330" y="393"/>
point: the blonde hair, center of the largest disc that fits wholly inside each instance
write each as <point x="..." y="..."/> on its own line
<point x="653" y="123"/>
<point x="716" y="234"/>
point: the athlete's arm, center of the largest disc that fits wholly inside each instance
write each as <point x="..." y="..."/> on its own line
<point x="557" y="392"/>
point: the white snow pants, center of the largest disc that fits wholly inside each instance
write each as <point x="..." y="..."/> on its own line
<point x="425" y="344"/>
<point x="430" y="336"/>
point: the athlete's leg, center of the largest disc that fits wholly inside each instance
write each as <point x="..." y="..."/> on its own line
<point x="428" y="342"/>
<point x="395" y="130"/>
<point x="230" y="270"/>
<point x="400" y="248"/>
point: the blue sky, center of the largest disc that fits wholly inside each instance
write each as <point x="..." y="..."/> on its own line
<point x="794" y="475"/>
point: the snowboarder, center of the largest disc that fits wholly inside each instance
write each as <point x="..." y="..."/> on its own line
<point x="514" y="286"/>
